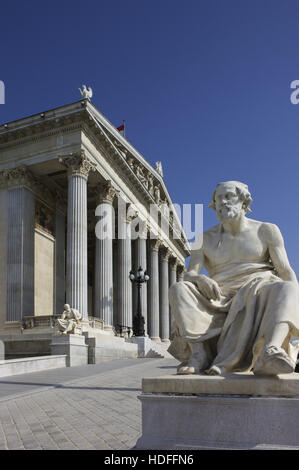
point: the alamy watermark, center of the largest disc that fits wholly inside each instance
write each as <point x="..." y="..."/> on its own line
<point x="294" y="95"/>
<point x="166" y="222"/>
<point x="2" y="92"/>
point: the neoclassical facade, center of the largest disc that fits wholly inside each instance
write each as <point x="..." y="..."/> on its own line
<point x="80" y="207"/>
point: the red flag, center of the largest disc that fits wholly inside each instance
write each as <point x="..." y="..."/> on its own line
<point x="121" y="128"/>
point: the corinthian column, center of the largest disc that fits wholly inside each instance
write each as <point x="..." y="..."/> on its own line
<point x="154" y="290"/>
<point x="104" y="255"/>
<point x="20" y="254"/>
<point x="76" y="265"/>
<point x="164" y="286"/>
<point x="124" y="251"/>
<point x="173" y="263"/>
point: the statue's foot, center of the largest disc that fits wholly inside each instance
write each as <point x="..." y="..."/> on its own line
<point x="214" y="370"/>
<point x="274" y="361"/>
<point x="191" y="367"/>
<point x="186" y="370"/>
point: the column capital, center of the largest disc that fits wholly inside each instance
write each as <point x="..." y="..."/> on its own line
<point x="21" y="176"/>
<point x="165" y="253"/>
<point x="181" y="269"/>
<point x="155" y="244"/>
<point x="173" y="263"/>
<point x="131" y="213"/>
<point x="143" y="229"/>
<point x="77" y="164"/>
<point x="106" y="192"/>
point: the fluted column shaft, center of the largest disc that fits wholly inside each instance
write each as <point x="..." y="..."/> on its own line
<point x="20" y="254"/>
<point x="164" y="286"/>
<point x="172" y="280"/>
<point x="104" y="256"/>
<point x="125" y="286"/>
<point x="76" y="264"/>
<point x="124" y="249"/>
<point x="154" y="290"/>
<point x="76" y="293"/>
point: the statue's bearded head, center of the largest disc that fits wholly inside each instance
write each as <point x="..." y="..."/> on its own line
<point x="230" y="199"/>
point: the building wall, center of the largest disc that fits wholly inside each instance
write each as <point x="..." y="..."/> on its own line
<point x="44" y="248"/>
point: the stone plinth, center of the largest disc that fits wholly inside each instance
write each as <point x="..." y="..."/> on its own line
<point x="73" y="346"/>
<point x="238" y="411"/>
<point x="2" y="350"/>
<point x="104" y="347"/>
<point x="143" y="343"/>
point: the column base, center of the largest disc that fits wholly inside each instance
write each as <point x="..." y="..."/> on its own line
<point x="108" y="329"/>
<point x="156" y="339"/>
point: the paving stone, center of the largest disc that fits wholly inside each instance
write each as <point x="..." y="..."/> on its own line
<point x="85" y="407"/>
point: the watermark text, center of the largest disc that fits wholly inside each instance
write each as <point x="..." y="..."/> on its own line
<point x="2" y="92"/>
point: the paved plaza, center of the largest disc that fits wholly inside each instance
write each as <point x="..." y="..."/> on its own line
<point x="89" y="407"/>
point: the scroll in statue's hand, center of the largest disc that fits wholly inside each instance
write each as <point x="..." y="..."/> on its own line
<point x="208" y="287"/>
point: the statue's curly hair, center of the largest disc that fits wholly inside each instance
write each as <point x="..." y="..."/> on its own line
<point x="242" y="191"/>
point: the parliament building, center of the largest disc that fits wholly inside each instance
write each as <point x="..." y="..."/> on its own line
<point x="70" y="185"/>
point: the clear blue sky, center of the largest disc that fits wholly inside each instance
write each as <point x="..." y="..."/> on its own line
<point x="204" y="87"/>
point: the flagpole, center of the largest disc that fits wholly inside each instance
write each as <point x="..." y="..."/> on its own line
<point x="124" y="129"/>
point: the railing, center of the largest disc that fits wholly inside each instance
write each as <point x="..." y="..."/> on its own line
<point x="43" y="321"/>
<point x="96" y="323"/>
<point x="49" y="321"/>
<point x="120" y="329"/>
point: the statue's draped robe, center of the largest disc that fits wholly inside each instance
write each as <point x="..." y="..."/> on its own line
<point x="254" y="300"/>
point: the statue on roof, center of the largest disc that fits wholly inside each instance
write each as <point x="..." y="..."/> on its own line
<point x="86" y="93"/>
<point x="159" y="168"/>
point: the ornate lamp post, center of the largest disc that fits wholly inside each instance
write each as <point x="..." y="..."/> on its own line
<point x="138" y="320"/>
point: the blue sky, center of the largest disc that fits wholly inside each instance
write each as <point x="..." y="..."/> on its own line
<point x="204" y="87"/>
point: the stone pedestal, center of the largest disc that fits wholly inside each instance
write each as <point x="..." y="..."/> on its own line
<point x="144" y="345"/>
<point x="237" y="411"/>
<point x="73" y="346"/>
<point x="2" y="350"/>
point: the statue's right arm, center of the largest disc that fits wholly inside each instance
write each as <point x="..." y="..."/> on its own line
<point x="205" y="284"/>
<point x="195" y="265"/>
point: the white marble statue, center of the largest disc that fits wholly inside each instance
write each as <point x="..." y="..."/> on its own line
<point x="86" y="93"/>
<point x="242" y="317"/>
<point x="70" y="321"/>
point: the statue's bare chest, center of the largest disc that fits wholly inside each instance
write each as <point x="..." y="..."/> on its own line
<point x="246" y="246"/>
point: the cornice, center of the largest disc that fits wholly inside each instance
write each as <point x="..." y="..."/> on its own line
<point x="31" y="136"/>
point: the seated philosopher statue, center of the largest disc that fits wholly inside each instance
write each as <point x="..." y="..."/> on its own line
<point x="242" y="317"/>
<point x="70" y="321"/>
